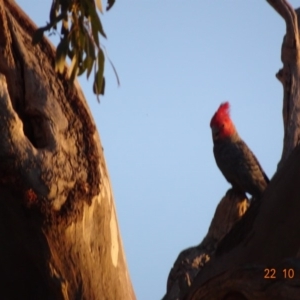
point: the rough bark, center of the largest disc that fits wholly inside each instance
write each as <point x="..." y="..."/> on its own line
<point x="289" y="76"/>
<point x="59" y="235"/>
<point x="268" y="235"/>
<point x="192" y="260"/>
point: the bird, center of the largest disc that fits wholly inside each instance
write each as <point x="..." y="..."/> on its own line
<point x="235" y="160"/>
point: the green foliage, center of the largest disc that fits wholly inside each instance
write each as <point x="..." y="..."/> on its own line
<point x="98" y="86"/>
<point x="80" y="33"/>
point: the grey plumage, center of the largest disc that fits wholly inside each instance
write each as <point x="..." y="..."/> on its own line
<point x="239" y="165"/>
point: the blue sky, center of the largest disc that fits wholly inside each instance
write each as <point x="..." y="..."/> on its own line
<point x="177" y="61"/>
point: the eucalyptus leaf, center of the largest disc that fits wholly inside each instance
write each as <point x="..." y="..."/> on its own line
<point x="110" y="4"/>
<point x="98" y="81"/>
<point x="73" y="68"/>
<point x="61" y="53"/>
<point x="99" y="5"/>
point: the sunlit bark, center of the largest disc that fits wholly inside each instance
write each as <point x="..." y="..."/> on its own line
<point x="59" y="236"/>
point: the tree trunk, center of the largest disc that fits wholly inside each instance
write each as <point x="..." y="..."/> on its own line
<point x="258" y="257"/>
<point x="59" y="236"/>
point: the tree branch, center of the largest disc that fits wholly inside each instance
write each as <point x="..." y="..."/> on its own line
<point x="270" y="234"/>
<point x="289" y="76"/>
<point x="192" y="260"/>
<point x="288" y="14"/>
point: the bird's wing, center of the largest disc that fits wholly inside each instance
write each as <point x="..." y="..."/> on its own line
<point x="256" y="161"/>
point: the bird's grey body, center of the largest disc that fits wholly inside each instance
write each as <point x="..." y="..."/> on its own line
<point x="239" y="165"/>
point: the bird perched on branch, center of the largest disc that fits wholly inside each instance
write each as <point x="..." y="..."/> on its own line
<point x="233" y="157"/>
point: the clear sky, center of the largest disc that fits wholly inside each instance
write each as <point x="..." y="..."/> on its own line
<point x="177" y="61"/>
